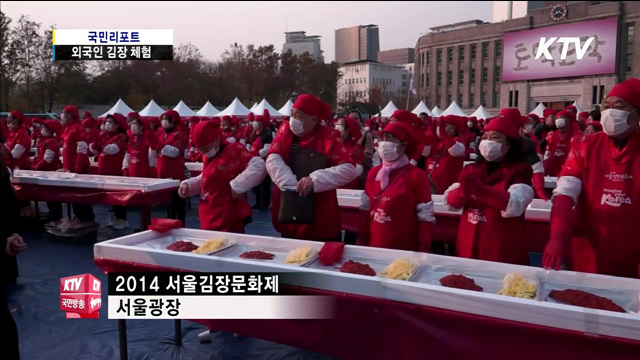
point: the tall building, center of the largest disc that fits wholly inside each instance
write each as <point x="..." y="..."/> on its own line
<point x="299" y="43"/>
<point x="396" y="56"/>
<point x="507" y="10"/>
<point x="357" y="43"/>
<point x="477" y="63"/>
<point x="359" y="78"/>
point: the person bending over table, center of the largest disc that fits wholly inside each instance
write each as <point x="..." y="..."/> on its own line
<point x="494" y="193"/>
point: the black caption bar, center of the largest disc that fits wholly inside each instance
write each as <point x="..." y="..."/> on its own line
<point x="113" y="52"/>
<point x="169" y="284"/>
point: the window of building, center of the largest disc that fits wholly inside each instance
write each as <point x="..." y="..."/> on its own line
<point x="450" y="54"/>
<point x="496" y="99"/>
<point x="448" y="98"/>
<point x="461" y="53"/>
<point x="601" y="97"/>
<point x="497" y="75"/>
<point x="404" y="76"/>
<point x="428" y="58"/>
<point x="460" y="99"/>
<point x="473" y="76"/>
<point x="461" y="77"/>
<point x="473" y="51"/>
<point x="439" y="79"/>
<point x="438" y="56"/>
<point x="449" y="77"/>
<point x="438" y="99"/>
<point x="484" y="74"/>
<point x="631" y="29"/>
<point x="629" y="62"/>
<point x="485" y="49"/>
<point x="498" y="48"/>
<point x="404" y="84"/>
<point x="510" y="98"/>
<point x="428" y="80"/>
<point x="472" y="100"/>
<point x="483" y="99"/>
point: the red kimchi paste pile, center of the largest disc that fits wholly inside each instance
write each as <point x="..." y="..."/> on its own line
<point x="355" y="267"/>
<point x="460" y="282"/>
<point x="182" y="246"/>
<point x="584" y="299"/>
<point x="257" y="255"/>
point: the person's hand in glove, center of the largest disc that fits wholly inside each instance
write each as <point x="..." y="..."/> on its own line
<point x="331" y="253"/>
<point x="558" y="246"/>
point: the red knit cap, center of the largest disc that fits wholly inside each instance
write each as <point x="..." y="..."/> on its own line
<point x="155" y="121"/>
<point x="86" y="115"/>
<point x="251" y="116"/>
<point x="18" y="116"/>
<point x="548" y="112"/>
<point x="534" y="116"/>
<point x="313" y="106"/>
<point x="53" y="125"/>
<point x="120" y="120"/>
<point x="513" y="115"/>
<point x="505" y="126"/>
<point x="91" y="123"/>
<point x="205" y="133"/>
<point x="403" y="116"/>
<point x="265" y="119"/>
<point x="567" y="115"/>
<point x="402" y="131"/>
<point x="629" y="91"/>
<point x="583" y="115"/>
<point x="571" y="107"/>
<point x="133" y="115"/>
<point x="235" y="120"/>
<point x="597" y="125"/>
<point x="173" y="115"/>
<point x="72" y="110"/>
<point x="37" y="120"/>
<point x="227" y="118"/>
<point x="194" y="120"/>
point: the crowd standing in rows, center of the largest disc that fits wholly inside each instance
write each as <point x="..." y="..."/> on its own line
<point x="294" y="166"/>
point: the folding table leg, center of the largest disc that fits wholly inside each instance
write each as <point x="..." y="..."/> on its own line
<point x="178" y="331"/>
<point x="145" y="217"/>
<point x="122" y="332"/>
<point x="69" y="211"/>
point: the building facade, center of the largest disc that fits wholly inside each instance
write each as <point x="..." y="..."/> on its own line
<point x="299" y="43"/>
<point x="396" y="56"/>
<point x="357" y="43"/>
<point x="507" y="10"/>
<point x="362" y="79"/>
<point x="495" y="65"/>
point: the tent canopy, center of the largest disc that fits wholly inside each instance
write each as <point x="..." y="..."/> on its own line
<point x="481" y="113"/>
<point x="236" y="108"/>
<point x="575" y="103"/>
<point x="539" y="110"/>
<point x="183" y="110"/>
<point x="436" y="111"/>
<point x="389" y="109"/>
<point x="120" y="107"/>
<point x="264" y="104"/>
<point x="208" y="110"/>
<point x="454" y="109"/>
<point x="152" y="109"/>
<point x="286" y="109"/>
<point x="422" y="108"/>
<point x="253" y="106"/>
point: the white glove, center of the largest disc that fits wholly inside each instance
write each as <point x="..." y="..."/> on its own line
<point x="170" y="151"/>
<point x="243" y="141"/>
<point x="49" y="156"/>
<point x="17" y="151"/>
<point x="125" y="161"/>
<point x="248" y="147"/>
<point x="153" y="158"/>
<point x="231" y="140"/>
<point x="264" y="151"/>
<point x="81" y="147"/>
<point x="111" y="149"/>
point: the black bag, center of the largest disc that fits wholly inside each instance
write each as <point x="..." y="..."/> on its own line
<point x="296" y="209"/>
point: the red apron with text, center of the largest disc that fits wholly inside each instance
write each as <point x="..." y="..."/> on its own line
<point x="112" y="164"/>
<point x="168" y="167"/>
<point x="138" y="150"/>
<point x="558" y="148"/>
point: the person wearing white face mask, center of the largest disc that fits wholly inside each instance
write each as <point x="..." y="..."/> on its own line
<point x="397" y="208"/>
<point x="559" y="143"/>
<point x="221" y="200"/>
<point x="494" y="193"/>
<point x="260" y="141"/>
<point x="141" y="153"/>
<point x="597" y="200"/>
<point x="307" y="163"/>
<point x="18" y="141"/>
<point x="171" y="145"/>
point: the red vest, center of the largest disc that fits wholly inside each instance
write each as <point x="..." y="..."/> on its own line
<point x="82" y="160"/>
<point x="72" y="134"/>
<point x="168" y="167"/>
<point x="20" y="136"/>
<point x="443" y="167"/>
<point x="558" y="146"/>
<point x="356" y="152"/>
<point x="48" y="143"/>
<point x="138" y="150"/>
<point x="112" y="164"/>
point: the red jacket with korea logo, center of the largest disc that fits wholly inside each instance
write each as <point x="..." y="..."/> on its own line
<point x="19" y="136"/>
<point x="138" y="150"/>
<point x="217" y="209"/>
<point x="168" y="167"/>
<point x="393" y="218"/>
<point x="484" y="233"/>
<point x="111" y="164"/>
<point x="558" y="148"/>
<point x="323" y="140"/>
<point x="44" y="144"/>
<point x="606" y="239"/>
<point x="73" y="132"/>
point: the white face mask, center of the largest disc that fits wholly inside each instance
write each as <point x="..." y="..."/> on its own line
<point x="470" y="124"/>
<point x="108" y="127"/>
<point x="211" y="153"/>
<point x="388" y="151"/>
<point x="166" y="124"/>
<point x="135" y="129"/>
<point x="614" y="121"/>
<point x="340" y="128"/>
<point x="528" y="128"/>
<point x="490" y="150"/>
<point x="44" y="132"/>
<point x="256" y="125"/>
<point x="297" y="126"/>
<point x="102" y="127"/>
<point x="561" y="122"/>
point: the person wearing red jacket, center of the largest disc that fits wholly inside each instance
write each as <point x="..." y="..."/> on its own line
<point x="36" y="124"/>
<point x="583" y="117"/>
<point x="5" y="154"/>
<point x="190" y="153"/>
<point x="18" y="142"/>
<point x="494" y="193"/>
<point x="422" y="148"/>
<point x="302" y="138"/>
<point x="546" y="126"/>
<point x="91" y="136"/>
<point x="530" y="122"/>
<point x="237" y="130"/>
<point x="446" y="157"/>
<point x="260" y="140"/>
<point x="229" y="172"/>
<point x="48" y="159"/>
<point x="141" y="153"/>
<point x="597" y="200"/>
<point x="559" y="143"/>
<point x="471" y="137"/>
<point x="398" y="212"/>
<point x="171" y="145"/>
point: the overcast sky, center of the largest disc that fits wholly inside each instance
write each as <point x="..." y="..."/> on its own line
<point x="213" y="26"/>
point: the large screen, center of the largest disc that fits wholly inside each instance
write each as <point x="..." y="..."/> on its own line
<point x="520" y="50"/>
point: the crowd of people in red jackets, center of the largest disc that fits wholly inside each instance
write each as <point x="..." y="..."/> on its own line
<point x="399" y="162"/>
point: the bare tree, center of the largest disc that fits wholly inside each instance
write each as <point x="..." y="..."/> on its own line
<point x="26" y="41"/>
<point x="8" y="63"/>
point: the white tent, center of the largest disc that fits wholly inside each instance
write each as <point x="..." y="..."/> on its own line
<point x="264" y="104"/>
<point x="120" y="107"/>
<point x="422" y="108"/>
<point x="253" y="106"/>
<point x="539" y="110"/>
<point x="183" y="110"/>
<point x="389" y="109"/>
<point x="235" y="108"/>
<point x="208" y="110"/>
<point x="286" y="109"/>
<point x="436" y="111"/>
<point x="575" y="103"/>
<point x="152" y="109"/>
<point x="454" y="109"/>
<point x="481" y="113"/>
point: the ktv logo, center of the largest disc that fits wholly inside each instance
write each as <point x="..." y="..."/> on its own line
<point x="80" y="296"/>
<point x="545" y="44"/>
